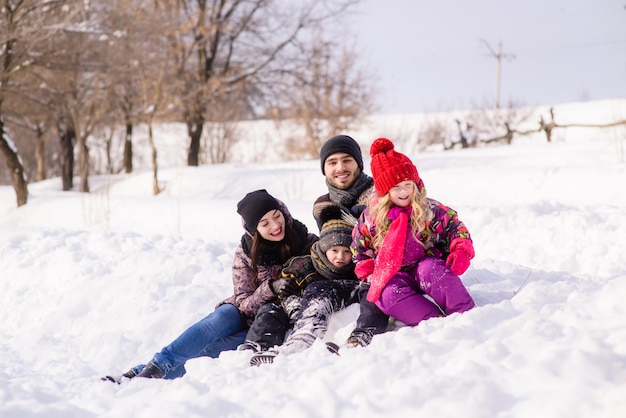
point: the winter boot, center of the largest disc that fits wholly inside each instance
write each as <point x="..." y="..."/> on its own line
<point x="263" y="357"/>
<point x="118" y="379"/>
<point x="250" y="346"/>
<point x="150" y="371"/>
<point x="360" y="337"/>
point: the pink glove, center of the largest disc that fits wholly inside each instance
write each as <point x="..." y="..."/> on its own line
<point x="364" y="269"/>
<point x="461" y="252"/>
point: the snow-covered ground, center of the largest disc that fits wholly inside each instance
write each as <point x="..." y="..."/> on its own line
<point x="92" y="284"/>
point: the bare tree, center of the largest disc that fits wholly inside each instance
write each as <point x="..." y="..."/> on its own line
<point x="81" y="101"/>
<point x="34" y="127"/>
<point x="218" y="45"/>
<point x="11" y="18"/>
<point x="138" y="52"/>
<point x="434" y="132"/>
<point x="325" y="92"/>
<point x="485" y="126"/>
<point x="76" y="79"/>
<point x="152" y="97"/>
<point x="547" y="126"/>
<point x="14" y="165"/>
<point x="24" y="29"/>
<point x="221" y="133"/>
<point x="463" y="137"/>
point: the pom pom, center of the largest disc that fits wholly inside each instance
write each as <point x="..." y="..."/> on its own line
<point x="330" y="212"/>
<point x="381" y="145"/>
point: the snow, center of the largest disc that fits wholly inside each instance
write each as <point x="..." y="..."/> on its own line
<point x="92" y="284"/>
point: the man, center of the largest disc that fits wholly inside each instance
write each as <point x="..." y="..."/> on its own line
<point x="348" y="187"/>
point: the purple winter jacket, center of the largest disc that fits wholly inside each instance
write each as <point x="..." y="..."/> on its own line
<point x="444" y="228"/>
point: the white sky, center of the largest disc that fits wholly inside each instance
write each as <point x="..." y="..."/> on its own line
<point x="428" y="55"/>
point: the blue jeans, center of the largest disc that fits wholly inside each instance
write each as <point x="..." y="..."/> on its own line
<point x="223" y="329"/>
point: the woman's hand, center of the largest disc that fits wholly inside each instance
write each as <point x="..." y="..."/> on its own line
<point x="284" y="286"/>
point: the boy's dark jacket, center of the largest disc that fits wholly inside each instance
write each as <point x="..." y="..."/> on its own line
<point x="306" y="269"/>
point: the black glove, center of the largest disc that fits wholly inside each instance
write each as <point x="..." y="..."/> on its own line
<point x="356" y="212"/>
<point x="284" y="286"/>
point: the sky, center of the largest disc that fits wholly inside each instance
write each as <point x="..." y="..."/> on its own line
<point x="93" y="284"/>
<point x="433" y="55"/>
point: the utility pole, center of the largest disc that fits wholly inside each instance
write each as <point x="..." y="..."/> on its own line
<point x="498" y="56"/>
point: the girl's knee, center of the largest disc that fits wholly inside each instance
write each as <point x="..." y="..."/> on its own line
<point x="410" y="308"/>
<point x="430" y="265"/>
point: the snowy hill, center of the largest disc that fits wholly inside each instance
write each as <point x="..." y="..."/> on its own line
<point x="94" y="284"/>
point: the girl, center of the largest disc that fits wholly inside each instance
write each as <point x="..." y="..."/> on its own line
<point x="408" y="246"/>
<point x="272" y="237"/>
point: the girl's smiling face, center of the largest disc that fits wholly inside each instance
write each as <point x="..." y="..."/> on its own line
<point x="272" y="226"/>
<point x="402" y="193"/>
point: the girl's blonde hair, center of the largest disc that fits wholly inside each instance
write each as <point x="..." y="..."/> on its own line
<point x="421" y="216"/>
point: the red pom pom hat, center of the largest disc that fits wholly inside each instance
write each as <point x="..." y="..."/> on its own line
<point x="390" y="167"/>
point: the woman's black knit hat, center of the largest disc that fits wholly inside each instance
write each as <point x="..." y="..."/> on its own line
<point x="254" y="206"/>
<point x="341" y="143"/>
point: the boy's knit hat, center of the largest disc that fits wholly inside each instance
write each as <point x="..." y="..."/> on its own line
<point x="254" y="206"/>
<point x="335" y="231"/>
<point x="341" y="143"/>
<point x="390" y="167"/>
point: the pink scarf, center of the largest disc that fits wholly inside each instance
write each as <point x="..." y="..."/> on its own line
<point x="390" y="255"/>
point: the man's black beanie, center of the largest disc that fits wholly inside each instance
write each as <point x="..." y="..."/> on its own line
<point x="341" y="143"/>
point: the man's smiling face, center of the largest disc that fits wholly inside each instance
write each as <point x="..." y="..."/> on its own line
<point x="341" y="170"/>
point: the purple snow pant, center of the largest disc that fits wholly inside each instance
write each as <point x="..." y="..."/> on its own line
<point x="404" y="295"/>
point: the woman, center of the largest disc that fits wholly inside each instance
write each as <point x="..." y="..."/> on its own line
<point x="272" y="237"/>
